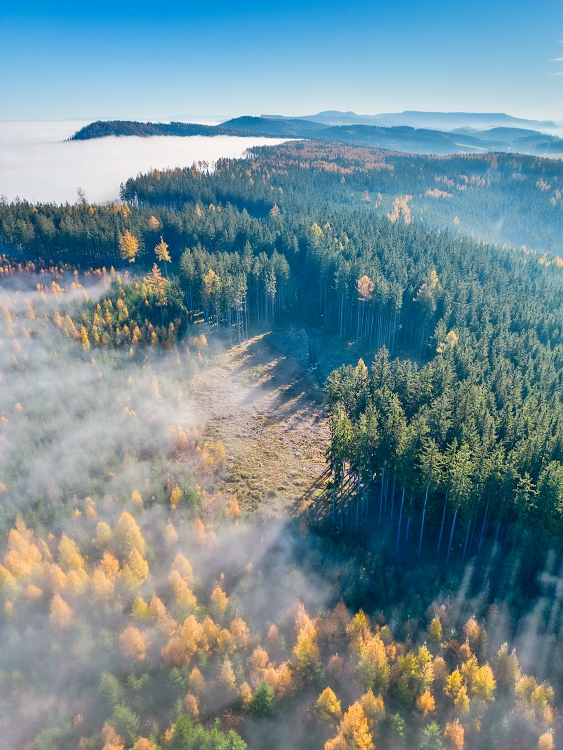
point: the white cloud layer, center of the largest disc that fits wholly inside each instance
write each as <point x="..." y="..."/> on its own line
<point x="38" y="165"/>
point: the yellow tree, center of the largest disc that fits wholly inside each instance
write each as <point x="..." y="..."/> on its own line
<point x="128" y="246"/>
<point x="132" y="643"/>
<point x="157" y="610"/>
<point x="184" y="568"/>
<point x="454" y="734"/>
<point x="61" y="616"/>
<point x="127" y="535"/>
<point x="197" y="683"/>
<point x="306" y="653"/>
<point x="225" y="642"/>
<point x="192" y="634"/>
<point x="426" y="703"/>
<point x="161" y="252"/>
<point x="155" y="288"/>
<point x="109" y="565"/>
<point x="545" y="742"/>
<point x="435" y="630"/>
<point x="212" y="288"/>
<point x="112" y="741"/>
<point x="507" y="669"/>
<point x="144" y="744"/>
<point x="462" y="703"/>
<point x="374" y="708"/>
<point x="240" y="632"/>
<point x="353" y="731"/>
<point x="328" y="706"/>
<point x="365" y="288"/>
<point x="69" y="554"/>
<point x="484" y="684"/>
<point x="191" y="705"/>
<point x="373" y="664"/>
<point x="219" y="600"/>
<point x="227" y="675"/>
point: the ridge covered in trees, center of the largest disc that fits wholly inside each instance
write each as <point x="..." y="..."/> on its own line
<point x="500" y="198"/>
<point x="395" y="138"/>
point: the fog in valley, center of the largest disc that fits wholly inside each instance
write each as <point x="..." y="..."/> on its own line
<point x="37" y="164"/>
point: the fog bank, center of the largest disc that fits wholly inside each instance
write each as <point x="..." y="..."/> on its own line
<point x="38" y="165"/>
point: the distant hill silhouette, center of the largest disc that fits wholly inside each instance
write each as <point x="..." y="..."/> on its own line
<point x="432" y="120"/>
<point x="401" y="138"/>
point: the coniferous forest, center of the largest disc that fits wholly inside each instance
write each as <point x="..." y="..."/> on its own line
<point x="412" y="598"/>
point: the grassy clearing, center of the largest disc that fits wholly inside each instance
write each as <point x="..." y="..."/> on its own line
<point x="261" y="401"/>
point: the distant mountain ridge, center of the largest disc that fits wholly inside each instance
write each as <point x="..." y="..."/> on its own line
<point x="400" y="138"/>
<point x="430" y="120"/>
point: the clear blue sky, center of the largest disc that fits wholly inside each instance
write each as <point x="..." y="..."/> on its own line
<point x="140" y="60"/>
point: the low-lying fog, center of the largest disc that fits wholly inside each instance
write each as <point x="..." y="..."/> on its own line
<point x="37" y="164"/>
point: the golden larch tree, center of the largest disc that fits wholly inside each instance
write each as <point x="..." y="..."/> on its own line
<point x="132" y="643"/>
<point x="328" y="706"/>
<point x="61" y="616"/>
<point x="365" y="288"/>
<point x="161" y="252"/>
<point x="127" y="536"/>
<point x="545" y="742"/>
<point x="112" y="741"/>
<point x="196" y="681"/>
<point x="184" y="568"/>
<point x="353" y="731"/>
<point x="240" y="632"/>
<point x="128" y="246"/>
<point x="374" y="708"/>
<point x="144" y="744"/>
<point x="219" y="600"/>
<point x="191" y="705"/>
<point x="454" y="735"/>
<point x="227" y="676"/>
<point x="306" y="653"/>
<point x="426" y="703"/>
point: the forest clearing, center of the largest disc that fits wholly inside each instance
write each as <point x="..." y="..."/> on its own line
<point x="266" y="409"/>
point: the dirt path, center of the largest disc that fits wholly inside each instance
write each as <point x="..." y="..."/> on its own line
<point x="261" y="401"/>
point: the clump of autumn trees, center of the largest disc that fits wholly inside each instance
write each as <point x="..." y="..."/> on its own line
<point x="149" y="310"/>
<point x="178" y="665"/>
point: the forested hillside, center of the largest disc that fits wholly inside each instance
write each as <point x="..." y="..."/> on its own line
<point x="500" y="198"/>
<point x="396" y="138"/>
<point x="142" y="607"/>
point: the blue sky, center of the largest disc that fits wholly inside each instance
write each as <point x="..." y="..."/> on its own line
<point x="148" y="60"/>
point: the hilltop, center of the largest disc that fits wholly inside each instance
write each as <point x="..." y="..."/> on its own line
<point x="500" y="136"/>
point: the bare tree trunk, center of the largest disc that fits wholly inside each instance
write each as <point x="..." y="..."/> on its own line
<point x="451" y="538"/>
<point x="485" y="519"/>
<point x="422" y="524"/>
<point x="334" y="498"/>
<point x="358" y="502"/>
<point x="393" y="496"/>
<point x="441" y="527"/>
<point x="466" y="539"/>
<point x="400" y="519"/>
<point x="381" y="495"/>
<point x="342" y="498"/>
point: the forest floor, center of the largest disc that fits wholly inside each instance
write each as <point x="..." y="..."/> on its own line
<point x="262" y="400"/>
